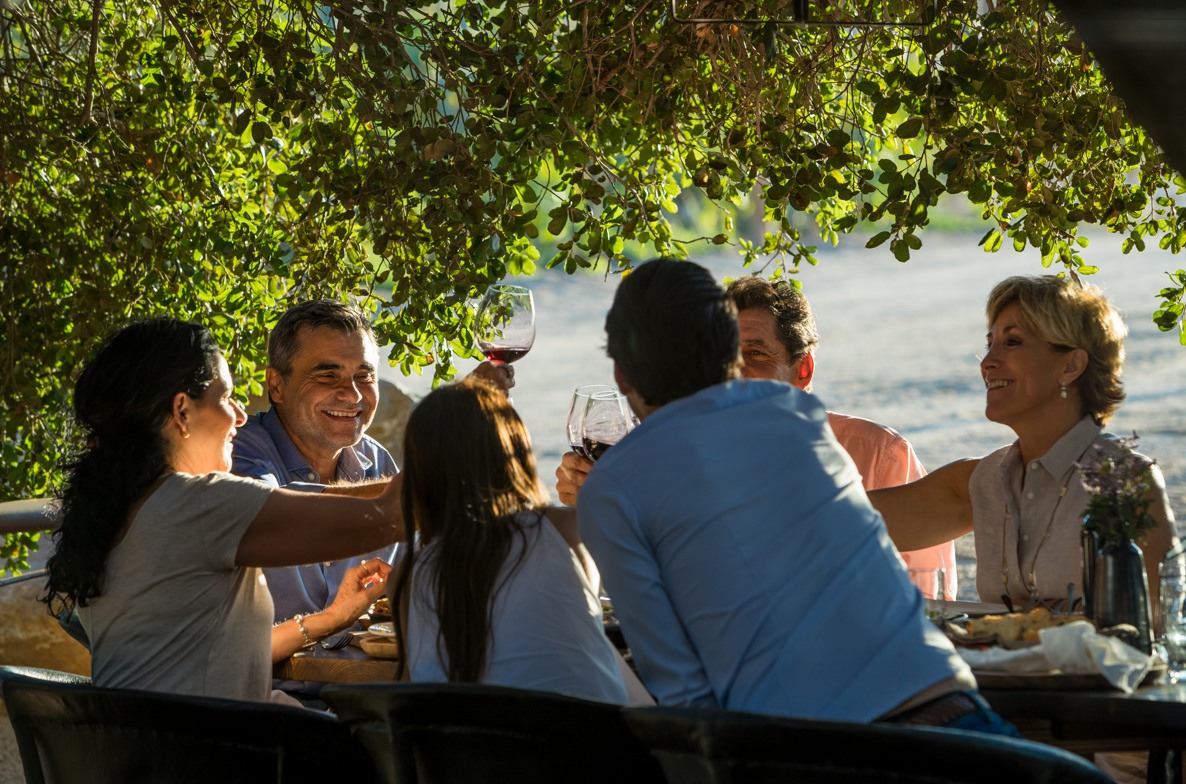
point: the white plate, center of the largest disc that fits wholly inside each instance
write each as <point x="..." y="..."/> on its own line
<point x="973" y="609"/>
<point x="384" y="629"/>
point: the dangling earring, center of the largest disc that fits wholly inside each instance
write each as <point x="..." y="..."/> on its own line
<point x="1064" y="390"/>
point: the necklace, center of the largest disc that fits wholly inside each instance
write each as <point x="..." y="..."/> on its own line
<point x="1032" y="579"/>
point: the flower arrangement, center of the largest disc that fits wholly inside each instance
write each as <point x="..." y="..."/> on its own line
<point x="1118" y="483"/>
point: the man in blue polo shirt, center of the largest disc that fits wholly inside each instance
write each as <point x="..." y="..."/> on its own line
<point x="323" y="384"/>
<point x="746" y="565"/>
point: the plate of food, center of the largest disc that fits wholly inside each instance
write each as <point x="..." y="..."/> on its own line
<point x="380" y="647"/>
<point x="380" y="611"/>
<point x="971" y="609"/>
<point x="1055" y="680"/>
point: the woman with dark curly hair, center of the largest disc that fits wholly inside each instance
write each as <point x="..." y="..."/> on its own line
<point x="1052" y="374"/>
<point x="160" y="548"/>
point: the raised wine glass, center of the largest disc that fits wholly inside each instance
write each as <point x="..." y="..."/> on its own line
<point x="576" y="414"/>
<point x="608" y="419"/>
<point x="505" y="325"/>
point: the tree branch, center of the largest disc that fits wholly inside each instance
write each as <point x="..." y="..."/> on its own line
<point x="90" y="64"/>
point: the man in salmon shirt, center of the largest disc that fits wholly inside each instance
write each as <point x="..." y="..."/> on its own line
<point x="778" y="340"/>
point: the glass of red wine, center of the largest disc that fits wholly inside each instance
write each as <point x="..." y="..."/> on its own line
<point x="505" y="325"/>
<point x="608" y="419"/>
<point x="576" y="414"/>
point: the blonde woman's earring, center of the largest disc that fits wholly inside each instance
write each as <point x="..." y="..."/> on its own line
<point x="1064" y="390"/>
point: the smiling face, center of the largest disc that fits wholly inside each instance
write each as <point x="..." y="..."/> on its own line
<point x="329" y="397"/>
<point x="210" y="421"/>
<point x="1021" y="372"/>
<point x="765" y="356"/>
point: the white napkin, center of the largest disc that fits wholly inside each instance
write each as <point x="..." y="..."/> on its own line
<point x="1004" y="660"/>
<point x="1077" y="648"/>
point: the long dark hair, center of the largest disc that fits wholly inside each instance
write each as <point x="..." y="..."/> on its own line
<point x="468" y="470"/>
<point x="122" y="401"/>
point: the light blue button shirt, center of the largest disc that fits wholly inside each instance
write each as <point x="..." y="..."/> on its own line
<point x="264" y="451"/>
<point x="746" y="566"/>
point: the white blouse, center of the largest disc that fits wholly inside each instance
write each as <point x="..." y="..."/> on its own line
<point x="547" y="631"/>
<point x="1033" y="526"/>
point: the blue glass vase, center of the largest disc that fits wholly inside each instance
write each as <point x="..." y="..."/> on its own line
<point x="1121" y="592"/>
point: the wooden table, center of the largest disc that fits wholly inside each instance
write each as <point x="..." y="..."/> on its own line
<point x="346" y="665"/>
<point x="1086" y="722"/>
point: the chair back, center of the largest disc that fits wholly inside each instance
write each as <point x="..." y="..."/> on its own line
<point x="69" y="731"/>
<point x="451" y="732"/>
<point x="727" y="747"/>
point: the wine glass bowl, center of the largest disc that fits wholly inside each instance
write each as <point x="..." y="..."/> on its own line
<point x="576" y="414"/>
<point x="608" y="419"/>
<point x="505" y="323"/>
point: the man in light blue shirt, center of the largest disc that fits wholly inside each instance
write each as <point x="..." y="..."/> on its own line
<point x="745" y="563"/>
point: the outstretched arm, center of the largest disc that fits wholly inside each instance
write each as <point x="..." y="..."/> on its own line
<point x="931" y="511"/>
<point x="302" y="528"/>
<point x="1159" y="540"/>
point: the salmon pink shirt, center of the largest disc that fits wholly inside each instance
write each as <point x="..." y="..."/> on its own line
<point x="885" y="459"/>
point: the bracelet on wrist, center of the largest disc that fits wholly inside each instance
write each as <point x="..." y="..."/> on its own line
<point x="300" y="622"/>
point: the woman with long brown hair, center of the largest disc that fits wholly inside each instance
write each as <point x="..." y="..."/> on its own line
<point x="497" y="589"/>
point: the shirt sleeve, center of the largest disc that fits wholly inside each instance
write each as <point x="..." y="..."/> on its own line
<point x="666" y="658"/>
<point x="899" y="465"/>
<point x="227" y="507"/>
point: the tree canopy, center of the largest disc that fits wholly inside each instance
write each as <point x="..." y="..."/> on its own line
<point x="218" y="159"/>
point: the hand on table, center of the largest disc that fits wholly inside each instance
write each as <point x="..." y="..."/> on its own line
<point x="571" y="474"/>
<point x="501" y="375"/>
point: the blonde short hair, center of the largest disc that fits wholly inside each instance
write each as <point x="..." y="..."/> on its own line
<point x="1069" y="317"/>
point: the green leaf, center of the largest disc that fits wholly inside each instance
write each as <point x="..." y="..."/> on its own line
<point x="260" y="132"/>
<point x="910" y="128"/>
<point x="877" y="239"/>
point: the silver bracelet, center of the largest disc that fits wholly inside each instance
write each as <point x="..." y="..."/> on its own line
<point x="300" y="622"/>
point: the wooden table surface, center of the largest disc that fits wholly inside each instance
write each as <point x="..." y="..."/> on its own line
<point x="346" y="665"/>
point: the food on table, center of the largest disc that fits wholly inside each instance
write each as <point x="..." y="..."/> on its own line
<point x="1012" y="627"/>
<point x="381" y="607"/>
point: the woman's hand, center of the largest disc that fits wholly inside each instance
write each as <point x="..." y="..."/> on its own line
<point x="360" y="587"/>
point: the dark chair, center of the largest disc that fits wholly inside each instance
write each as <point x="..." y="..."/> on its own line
<point x="454" y="733"/>
<point x="68" y="731"/>
<point x="726" y="747"/>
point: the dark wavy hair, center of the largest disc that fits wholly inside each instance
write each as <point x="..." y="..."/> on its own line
<point x="468" y="470"/>
<point x="122" y="401"/>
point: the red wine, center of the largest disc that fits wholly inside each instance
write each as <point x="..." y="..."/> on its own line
<point x="504" y="353"/>
<point x="580" y="450"/>
<point x="595" y="449"/>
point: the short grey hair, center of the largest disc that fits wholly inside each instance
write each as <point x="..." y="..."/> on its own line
<point x="284" y="342"/>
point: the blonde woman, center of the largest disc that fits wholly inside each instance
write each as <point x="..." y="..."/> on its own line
<point x="1052" y="374"/>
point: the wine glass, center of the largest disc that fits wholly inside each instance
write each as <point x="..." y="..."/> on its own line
<point x="608" y="419"/>
<point x="576" y="414"/>
<point x="505" y="324"/>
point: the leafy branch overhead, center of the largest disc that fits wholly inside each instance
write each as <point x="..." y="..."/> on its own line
<point x="216" y="159"/>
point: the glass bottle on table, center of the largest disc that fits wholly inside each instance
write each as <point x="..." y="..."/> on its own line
<point x="1171" y="640"/>
<point x="608" y="419"/>
<point x="576" y="414"/>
